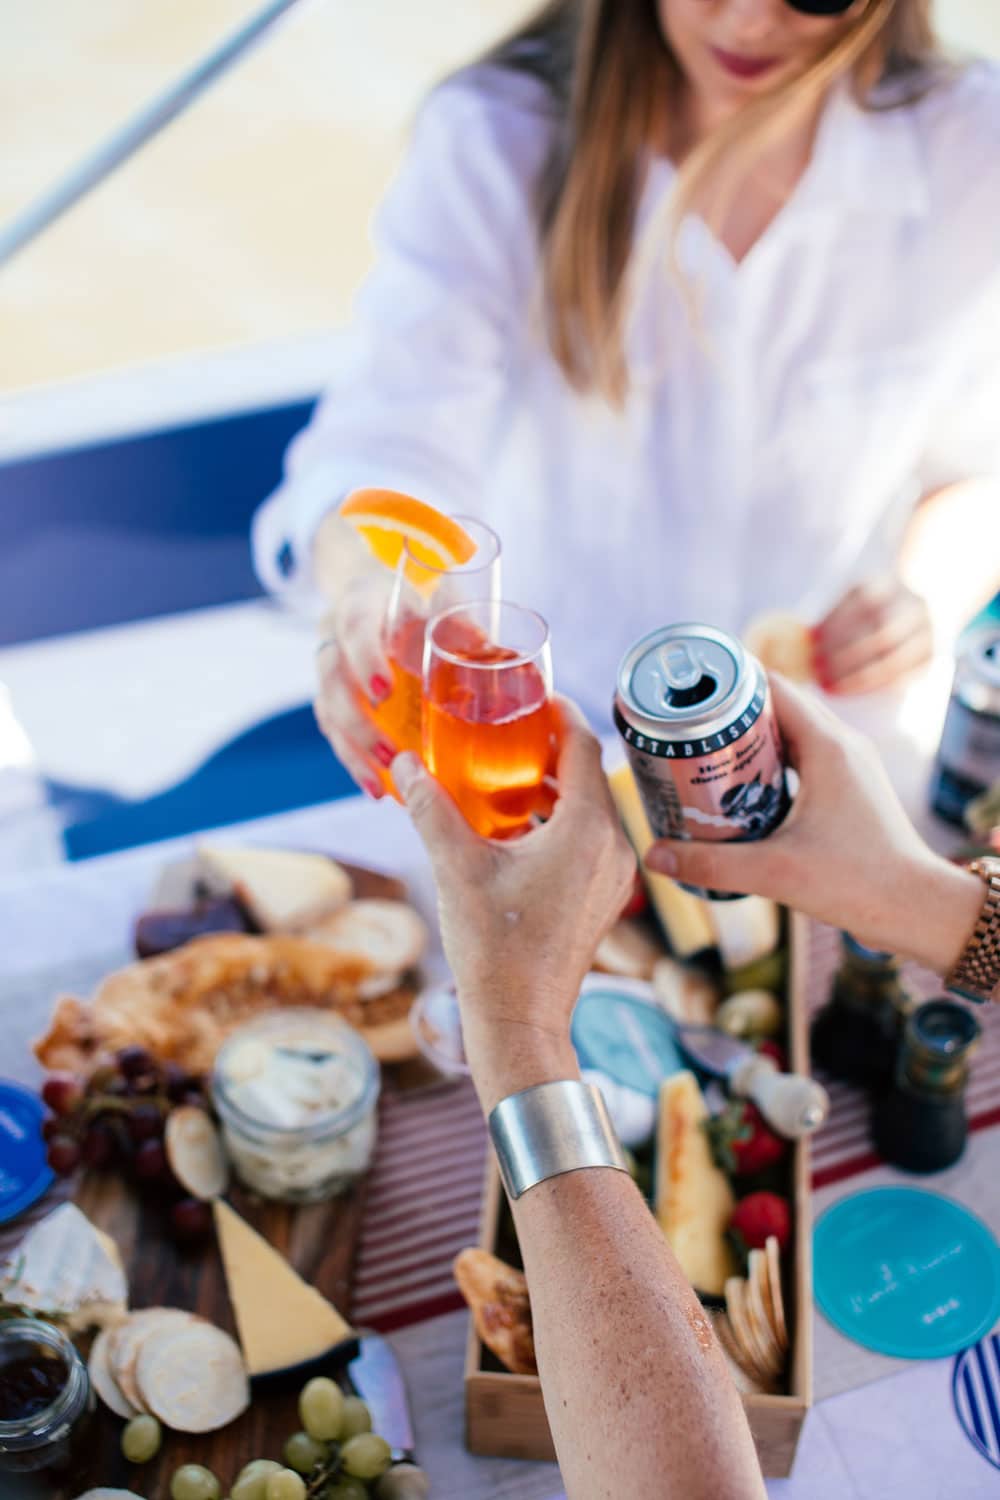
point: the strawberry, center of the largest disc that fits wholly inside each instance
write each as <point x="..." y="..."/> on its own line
<point x="741" y="1143"/>
<point x="775" y="1052"/>
<point x="758" y="1215"/>
<point x="637" y="901"/>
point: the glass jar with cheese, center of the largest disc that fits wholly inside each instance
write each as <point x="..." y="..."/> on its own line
<point x="296" y="1092"/>
<point x="45" y="1399"/>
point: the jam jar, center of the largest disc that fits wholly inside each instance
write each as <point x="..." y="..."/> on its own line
<point x="45" y="1398"/>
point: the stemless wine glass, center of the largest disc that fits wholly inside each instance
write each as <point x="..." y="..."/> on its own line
<point x="421" y="589"/>
<point x="487" y="720"/>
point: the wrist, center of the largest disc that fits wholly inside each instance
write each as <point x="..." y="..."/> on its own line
<point x="938" y="919"/>
<point x="507" y="1056"/>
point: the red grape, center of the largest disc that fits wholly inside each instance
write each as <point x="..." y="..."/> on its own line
<point x="145" y="1123"/>
<point x="190" y="1219"/>
<point x="134" y="1061"/>
<point x="151" y="1161"/>
<point x="63" y="1155"/>
<point x="52" y="1127"/>
<point x="177" y="1081"/>
<point x="100" y="1145"/>
<point x="63" y="1093"/>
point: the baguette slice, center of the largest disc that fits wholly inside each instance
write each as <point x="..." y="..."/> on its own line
<point x="282" y="890"/>
<point x="693" y="1200"/>
<point x="384" y="937"/>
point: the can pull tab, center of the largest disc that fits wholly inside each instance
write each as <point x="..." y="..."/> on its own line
<point x="688" y="684"/>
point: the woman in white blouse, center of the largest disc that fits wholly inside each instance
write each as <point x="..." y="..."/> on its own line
<point x="697" y="303"/>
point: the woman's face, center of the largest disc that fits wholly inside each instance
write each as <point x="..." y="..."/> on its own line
<point x="730" y="50"/>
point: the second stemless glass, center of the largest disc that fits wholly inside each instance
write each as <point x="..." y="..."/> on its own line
<point x="487" y="721"/>
<point x="419" y="591"/>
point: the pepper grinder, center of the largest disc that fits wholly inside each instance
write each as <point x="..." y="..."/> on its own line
<point x="856" y="1035"/>
<point x="921" y="1124"/>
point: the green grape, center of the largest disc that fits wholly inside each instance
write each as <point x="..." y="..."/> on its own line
<point x="141" y="1439"/>
<point x="346" y="1488"/>
<point x="192" y="1482"/>
<point x="366" y="1456"/>
<point x="251" y="1482"/>
<point x="285" y="1485"/>
<point x="356" y="1418"/>
<point x="321" y="1406"/>
<point x="302" y="1453"/>
<point x="400" y="1481"/>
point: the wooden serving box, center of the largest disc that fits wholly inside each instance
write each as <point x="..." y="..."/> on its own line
<point x="505" y="1414"/>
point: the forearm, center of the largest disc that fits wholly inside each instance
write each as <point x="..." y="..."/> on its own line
<point x="635" y="1387"/>
<point x="934" y="912"/>
<point x="636" y="1390"/>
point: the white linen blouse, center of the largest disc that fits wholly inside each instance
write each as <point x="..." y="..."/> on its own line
<point x="769" y="453"/>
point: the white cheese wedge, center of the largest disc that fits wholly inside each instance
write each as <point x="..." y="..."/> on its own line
<point x="282" y="1321"/>
<point x="745" y="930"/>
<point x="694" y="1201"/>
<point x="68" y="1270"/>
<point x="283" y="890"/>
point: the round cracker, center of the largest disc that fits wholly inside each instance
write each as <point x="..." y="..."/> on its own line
<point x="194" y="1378"/>
<point x="773" y="1254"/>
<point x="104" y="1383"/>
<point x="388" y="937"/>
<point x="781" y="643"/>
<point x="760" y="1322"/>
<point x="748" y="1381"/>
<point x="195" y="1153"/>
<point x="745" y="1342"/>
<point x="126" y="1341"/>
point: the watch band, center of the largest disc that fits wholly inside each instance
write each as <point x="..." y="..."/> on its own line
<point x="977" y="972"/>
<point x="550" y="1129"/>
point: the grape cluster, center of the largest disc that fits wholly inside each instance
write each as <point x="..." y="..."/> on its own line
<point x="116" y="1119"/>
<point x="335" y="1456"/>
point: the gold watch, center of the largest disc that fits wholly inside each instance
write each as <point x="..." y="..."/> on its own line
<point x="977" y="973"/>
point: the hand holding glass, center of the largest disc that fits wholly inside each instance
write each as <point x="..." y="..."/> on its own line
<point x="487" y="723"/>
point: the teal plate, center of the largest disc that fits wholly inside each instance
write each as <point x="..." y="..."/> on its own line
<point x="906" y="1272"/>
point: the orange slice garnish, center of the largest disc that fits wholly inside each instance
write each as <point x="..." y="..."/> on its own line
<point x="389" y="521"/>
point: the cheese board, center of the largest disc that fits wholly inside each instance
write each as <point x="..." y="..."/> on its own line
<point x="240" y="1316"/>
<point x="505" y="1412"/>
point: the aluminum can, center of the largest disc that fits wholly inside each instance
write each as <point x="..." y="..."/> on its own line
<point x="968" y="761"/>
<point x="694" y="710"/>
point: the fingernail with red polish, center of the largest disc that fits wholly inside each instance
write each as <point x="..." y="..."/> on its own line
<point x="371" y="786"/>
<point x="384" y="753"/>
<point x="379" y="687"/>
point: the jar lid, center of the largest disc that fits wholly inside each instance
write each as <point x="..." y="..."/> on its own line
<point x="618" y="1029"/>
<point x="24" y="1171"/>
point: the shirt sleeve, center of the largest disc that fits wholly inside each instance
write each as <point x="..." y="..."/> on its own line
<point x="420" y="373"/>
<point x="963" y="439"/>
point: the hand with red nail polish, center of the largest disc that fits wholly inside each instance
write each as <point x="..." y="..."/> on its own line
<point x="879" y="633"/>
<point x="355" y="676"/>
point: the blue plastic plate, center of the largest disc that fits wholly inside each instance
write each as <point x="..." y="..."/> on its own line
<point x="24" y="1172"/>
<point x="906" y="1272"/>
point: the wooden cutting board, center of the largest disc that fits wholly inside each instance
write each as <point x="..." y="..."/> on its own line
<point x="319" y="1241"/>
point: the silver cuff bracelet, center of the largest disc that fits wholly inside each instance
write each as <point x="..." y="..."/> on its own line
<point x="550" y="1129"/>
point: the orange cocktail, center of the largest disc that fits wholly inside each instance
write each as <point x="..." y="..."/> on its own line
<point x="487" y="722"/>
<point x="437" y="561"/>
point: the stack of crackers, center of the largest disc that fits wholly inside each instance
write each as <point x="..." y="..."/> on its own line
<point x="752" y="1331"/>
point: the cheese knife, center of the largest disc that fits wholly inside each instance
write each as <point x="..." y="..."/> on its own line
<point x="378" y="1380"/>
<point x="793" y="1104"/>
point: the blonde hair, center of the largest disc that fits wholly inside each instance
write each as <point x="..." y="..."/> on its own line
<point x="610" y="74"/>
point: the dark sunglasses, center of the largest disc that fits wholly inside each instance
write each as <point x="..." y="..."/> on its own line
<point x="821" y="7"/>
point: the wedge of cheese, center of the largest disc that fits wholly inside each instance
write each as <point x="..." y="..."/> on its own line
<point x="284" y="1324"/>
<point x="68" y="1271"/>
<point x="683" y="917"/>
<point x="280" y="889"/>
<point x="693" y="1199"/>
